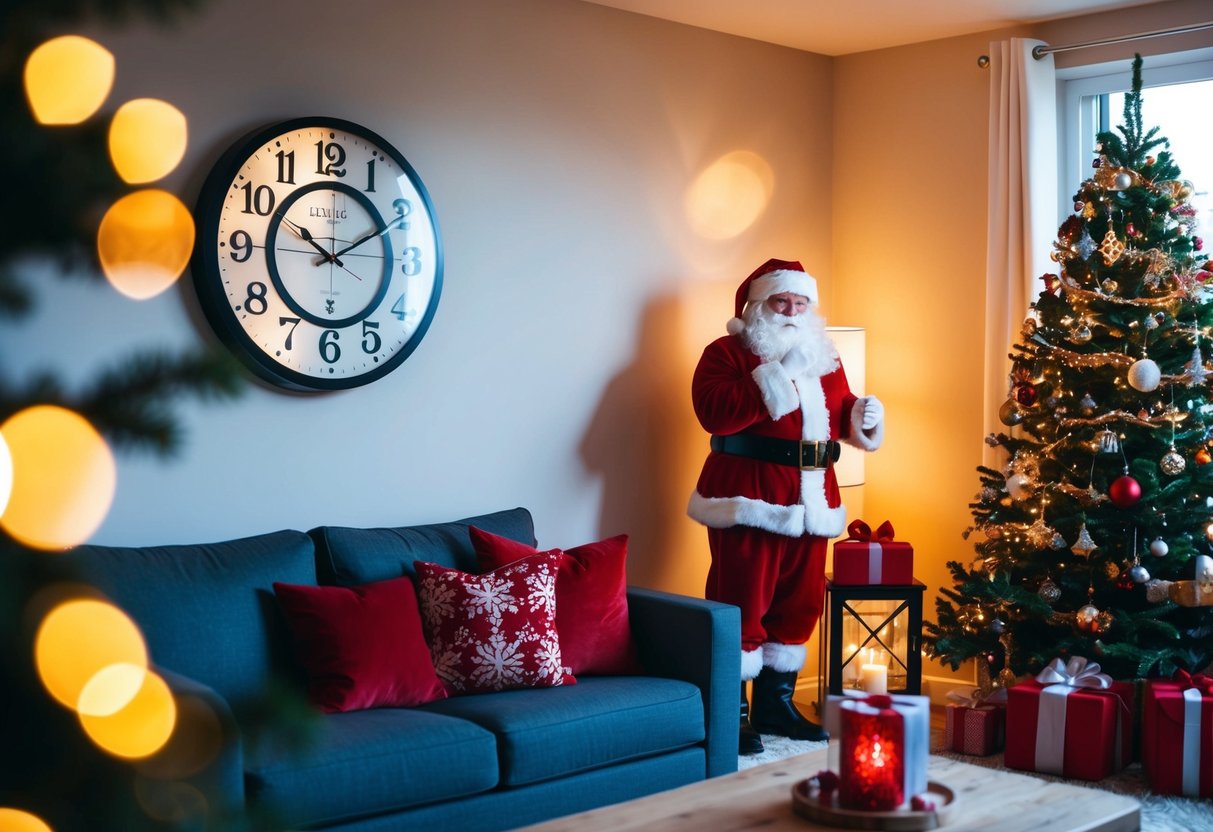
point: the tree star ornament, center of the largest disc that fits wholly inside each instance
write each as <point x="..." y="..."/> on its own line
<point x="1195" y="373"/>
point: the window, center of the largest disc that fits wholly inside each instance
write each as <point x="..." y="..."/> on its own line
<point x="1177" y="97"/>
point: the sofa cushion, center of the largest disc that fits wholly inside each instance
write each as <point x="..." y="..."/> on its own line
<point x="348" y="556"/>
<point x="591" y="600"/>
<point x="604" y="720"/>
<point x="362" y="646"/>
<point x="495" y="631"/>
<point x="365" y="762"/>
<point x="207" y="610"/>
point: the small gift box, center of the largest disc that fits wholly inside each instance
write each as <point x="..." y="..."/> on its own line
<point x="975" y="722"/>
<point x="913" y="743"/>
<point x="865" y="557"/>
<point x="1072" y="720"/>
<point x="1177" y="735"/>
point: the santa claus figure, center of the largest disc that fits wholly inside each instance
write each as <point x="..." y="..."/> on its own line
<point x="774" y="396"/>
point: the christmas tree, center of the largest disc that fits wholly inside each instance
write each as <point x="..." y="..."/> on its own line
<point x="1094" y="539"/>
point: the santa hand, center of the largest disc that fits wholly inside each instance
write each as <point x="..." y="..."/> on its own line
<point x="795" y="362"/>
<point x="873" y="411"/>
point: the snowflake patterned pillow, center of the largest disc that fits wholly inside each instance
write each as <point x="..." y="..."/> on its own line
<point x="494" y="631"/>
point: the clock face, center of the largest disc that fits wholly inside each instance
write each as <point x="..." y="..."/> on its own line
<point x="318" y="261"/>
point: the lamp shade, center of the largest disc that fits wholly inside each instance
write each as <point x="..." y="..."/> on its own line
<point x="850" y="343"/>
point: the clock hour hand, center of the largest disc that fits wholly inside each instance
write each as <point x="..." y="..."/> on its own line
<point x="362" y="240"/>
<point x="307" y="237"/>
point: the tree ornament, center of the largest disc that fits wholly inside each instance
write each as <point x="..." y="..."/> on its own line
<point x="1026" y="393"/>
<point x="1049" y="592"/>
<point x="1018" y="485"/>
<point x="1086" y="617"/>
<point x="1172" y="464"/>
<point x="1085" y="245"/>
<point x="1103" y="623"/>
<point x="1130" y="229"/>
<point x="1203" y="457"/>
<point x="1144" y="375"/>
<point x="1139" y="574"/>
<point x="1111" y="570"/>
<point x="1111" y="248"/>
<point x="1009" y="414"/>
<point x="1195" y="372"/>
<point x="1084" y="545"/>
<point x="1081" y="334"/>
<point x="998" y="626"/>
<point x="1087" y="405"/>
<point x="1109" y="442"/>
<point x="1109" y="285"/>
<point x="1124" y="492"/>
<point x="1006" y="677"/>
<point x="1123" y="181"/>
<point x="1159" y="547"/>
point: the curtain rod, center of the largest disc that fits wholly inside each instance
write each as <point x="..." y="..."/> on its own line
<point x="1039" y="52"/>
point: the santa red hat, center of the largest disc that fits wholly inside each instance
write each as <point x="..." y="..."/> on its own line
<point x="771" y="278"/>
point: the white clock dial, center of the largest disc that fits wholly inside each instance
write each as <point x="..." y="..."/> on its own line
<point x="319" y="260"/>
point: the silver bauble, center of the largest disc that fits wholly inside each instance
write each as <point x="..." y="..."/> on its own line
<point x="1139" y="574"/>
<point x="1017" y="486"/>
<point x="1172" y="464"/>
<point x="998" y="626"/>
<point x="1144" y="375"/>
<point x="1049" y="592"/>
<point x="1009" y="414"/>
<point x="1159" y="547"/>
<point x="1081" y="334"/>
<point x="1123" y="181"/>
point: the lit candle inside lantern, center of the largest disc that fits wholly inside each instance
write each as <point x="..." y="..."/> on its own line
<point x="874" y="677"/>
<point x="871" y="773"/>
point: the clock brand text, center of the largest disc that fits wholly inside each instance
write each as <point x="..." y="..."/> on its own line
<point x="328" y="213"/>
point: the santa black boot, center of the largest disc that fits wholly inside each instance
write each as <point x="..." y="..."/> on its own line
<point x="773" y="711"/>
<point x="748" y="741"/>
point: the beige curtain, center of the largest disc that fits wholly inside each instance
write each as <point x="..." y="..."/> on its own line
<point x="1023" y="207"/>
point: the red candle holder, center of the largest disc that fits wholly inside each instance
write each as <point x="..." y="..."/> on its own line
<point x="872" y="748"/>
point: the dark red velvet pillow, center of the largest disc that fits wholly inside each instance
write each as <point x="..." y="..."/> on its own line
<point x="591" y="600"/>
<point x="495" y="631"/>
<point x="362" y="646"/>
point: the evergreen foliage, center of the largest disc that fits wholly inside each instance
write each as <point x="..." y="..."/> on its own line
<point x="1108" y="390"/>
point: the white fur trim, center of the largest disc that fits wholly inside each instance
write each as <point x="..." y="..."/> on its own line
<point x="778" y="392"/>
<point x="783" y="658"/>
<point x="735" y="326"/>
<point x="819" y="518"/>
<point x="726" y="512"/>
<point x="868" y="440"/>
<point x="751" y="663"/>
<point x="783" y="280"/>
<point x="815" y="419"/>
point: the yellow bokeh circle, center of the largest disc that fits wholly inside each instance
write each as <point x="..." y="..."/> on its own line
<point x="110" y="689"/>
<point x="729" y="195"/>
<point x="64" y="477"/>
<point x="139" y="729"/>
<point x="144" y="242"/>
<point x="81" y="638"/>
<point x="6" y="474"/>
<point x="15" y="820"/>
<point x="147" y="139"/>
<point x="67" y="79"/>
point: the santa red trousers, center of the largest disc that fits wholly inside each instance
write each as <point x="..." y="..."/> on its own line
<point x="777" y="581"/>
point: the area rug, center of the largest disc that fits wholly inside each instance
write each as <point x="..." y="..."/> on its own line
<point x="1159" y="813"/>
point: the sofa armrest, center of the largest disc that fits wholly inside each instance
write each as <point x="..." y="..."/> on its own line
<point x="698" y="641"/>
<point x="205" y="754"/>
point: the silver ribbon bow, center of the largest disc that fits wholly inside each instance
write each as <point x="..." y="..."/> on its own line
<point x="1076" y="673"/>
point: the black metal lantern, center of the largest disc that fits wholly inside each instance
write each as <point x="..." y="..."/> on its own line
<point x="870" y="632"/>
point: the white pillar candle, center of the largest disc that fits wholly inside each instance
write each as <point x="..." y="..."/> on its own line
<point x="874" y="678"/>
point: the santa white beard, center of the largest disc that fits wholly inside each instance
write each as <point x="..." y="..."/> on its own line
<point x="771" y="336"/>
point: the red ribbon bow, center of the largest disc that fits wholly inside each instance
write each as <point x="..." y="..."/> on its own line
<point x="1199" y="681"/>
<point x="861" y="531"/>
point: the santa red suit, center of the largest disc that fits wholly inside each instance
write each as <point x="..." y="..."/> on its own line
<point x="770" y="500"/>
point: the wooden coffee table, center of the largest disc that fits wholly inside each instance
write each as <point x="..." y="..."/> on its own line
<point x="760" y="798"/>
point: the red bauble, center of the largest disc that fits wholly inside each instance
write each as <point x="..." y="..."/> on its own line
<point x="1124" y="491"/>
<point x="1025" y="393"/>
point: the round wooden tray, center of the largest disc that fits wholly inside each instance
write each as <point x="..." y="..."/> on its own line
<point x="806" y="804"/>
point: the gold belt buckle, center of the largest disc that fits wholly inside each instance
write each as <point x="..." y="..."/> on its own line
<point x="816" y="454"/>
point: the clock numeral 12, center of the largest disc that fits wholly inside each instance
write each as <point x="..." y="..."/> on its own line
<point x="334" y="154"/>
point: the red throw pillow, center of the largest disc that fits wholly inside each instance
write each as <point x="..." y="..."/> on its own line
<point x="495" y="631"/>
<point x="362" y="646"/>
<point x="591" y="600"/>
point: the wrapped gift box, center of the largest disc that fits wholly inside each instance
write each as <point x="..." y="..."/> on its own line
<point x="979" y="730"/>
<point x="1075" y="728"/>
<point x="866" y="558"/>
<point x="916" y="713"/>
<point x="1177" y="735"/>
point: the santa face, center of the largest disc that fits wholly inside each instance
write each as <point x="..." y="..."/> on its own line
<point x="786" y="321"/>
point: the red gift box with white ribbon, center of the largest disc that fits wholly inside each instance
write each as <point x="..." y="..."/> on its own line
<point x="1177" y="735"/>
<point x="867" y="558"/>
<point x="975" y="723"/>
<point x="1071" y="720"/>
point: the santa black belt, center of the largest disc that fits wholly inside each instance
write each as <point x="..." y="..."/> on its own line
<point x="803" y="454"/>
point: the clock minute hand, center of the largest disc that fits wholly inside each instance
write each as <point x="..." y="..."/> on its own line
<point x="362" y="240"/>
<point x="307" y="237"/>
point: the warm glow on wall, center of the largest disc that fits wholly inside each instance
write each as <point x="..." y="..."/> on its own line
<point x="147" y="139"/>
<point x="79" y="639"/>
<point x="729" y="195"/>
<point x="15" y="820"/>
<point x="64" y="478"/>
<point x="144" y="242"/>
<point x="851" y="350"/>
<point x="67" y="79"/>
<point x="140" y="728"/>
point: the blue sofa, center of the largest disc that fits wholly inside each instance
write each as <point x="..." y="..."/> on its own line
<point x="485" y="761"/>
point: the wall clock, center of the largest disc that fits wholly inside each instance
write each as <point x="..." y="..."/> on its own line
<point x="318" y="261"/>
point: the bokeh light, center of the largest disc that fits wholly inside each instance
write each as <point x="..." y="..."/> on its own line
<point x="729" y="195"/>
<point x="110" y="689"/>
<point x="6" y="473"/>
<point x="147" y="139"/>
<point x="16" y="820"/>
<point x="80" y="638"/>
<point x="144" y="242"/>
<point x="140" y="728"/>
<point x="67" y="79"/>
<point x="64" y="478"/>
